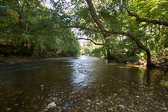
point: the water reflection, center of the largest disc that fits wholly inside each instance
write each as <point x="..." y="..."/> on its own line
<point x="155" y="77"/>
<point x="132" y="74"/>
<point x="83" y="68"/>
<point x="87" y="69"/>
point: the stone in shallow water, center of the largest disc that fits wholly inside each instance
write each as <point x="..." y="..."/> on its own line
<point x="73" y="92"/>
<point x="51" y="105"/>
<point x="8" y="109"/>
<point x="42" y="87"/>
<point x="45" y="110"/>
<point x="163" y="108"/>
<point x="60" y="94"/>
<point x="88" y="100"/>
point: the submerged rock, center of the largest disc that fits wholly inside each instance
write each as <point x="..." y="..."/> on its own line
<point x="8" y="109"/>
<point x="164" y="108"/>
<point x="51" y="105"/>
<point x="42" y="87"/>
<point x="60" y="94"/>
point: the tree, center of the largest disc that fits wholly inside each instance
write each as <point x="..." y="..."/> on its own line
<point x="108" y="33"/>
<point x="33" y="26"/>
<point x="111" y="18"/>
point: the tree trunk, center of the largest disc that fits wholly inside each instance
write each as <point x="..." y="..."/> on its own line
<point x="31" y="45"/>
<point x="149" y="63"/>
<point x="109" y="57"/>
<point x="139" y="44"/>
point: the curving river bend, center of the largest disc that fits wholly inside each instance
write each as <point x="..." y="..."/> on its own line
<point x="80" y="84"/>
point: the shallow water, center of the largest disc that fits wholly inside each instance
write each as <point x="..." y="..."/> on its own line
<point x="25" y="87"/>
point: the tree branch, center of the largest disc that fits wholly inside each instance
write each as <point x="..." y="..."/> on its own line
<point x="80" y="27"/>
<point x="34" y="30"/>
<point x="94" y="15"/>
<point x="91" y="41"/>
<point x="147" y="20"/>
<point x="138" y="42"/>
<point x="84" y="28"/>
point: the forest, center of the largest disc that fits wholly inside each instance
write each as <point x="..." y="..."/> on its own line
<point x="124" y="30"/>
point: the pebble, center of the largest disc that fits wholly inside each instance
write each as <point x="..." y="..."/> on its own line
<point x="42" y="87"/>
<point x="88" y="100"/>
<point x="45" y="110"/>
<point x="60" y="94"/>
<point x="102" y="85"/>
<point x="16" y="104"/>
<point x="98" y="103"/>
<point x="73" y="92"/>
<point x="8" y="109"/>
<point x="122" y="106"/>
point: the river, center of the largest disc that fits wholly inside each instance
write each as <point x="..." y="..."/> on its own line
<point x="90" y="81"/>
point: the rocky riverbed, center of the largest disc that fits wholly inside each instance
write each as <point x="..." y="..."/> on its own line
<point x="131" y="98"/>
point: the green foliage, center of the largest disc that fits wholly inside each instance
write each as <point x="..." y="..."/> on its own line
<point x="34" y="26"/>
<point x="133" y="59"/>
<point x="98" y="52"/>
<point x="114" y="17"/>
<point x="153" y="9"/>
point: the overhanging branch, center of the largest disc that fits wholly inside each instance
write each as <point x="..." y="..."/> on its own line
<point x="147" y="20"/>
<point x="80" y="27"/>
<point x="91" y="41"/>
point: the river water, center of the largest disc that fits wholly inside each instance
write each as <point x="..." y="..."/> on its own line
<point x="28" y="86"/>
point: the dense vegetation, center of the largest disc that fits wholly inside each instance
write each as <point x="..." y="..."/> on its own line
<point x="143" y="22"/>
<point x="125" y="30"/>
<point x="30" y="29"/>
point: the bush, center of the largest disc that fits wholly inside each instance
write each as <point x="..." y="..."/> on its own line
<point x="133" y="59"/>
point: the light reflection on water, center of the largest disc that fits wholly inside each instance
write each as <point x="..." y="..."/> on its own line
<point x="83" y="67"/>
<point x="86" y="69"/>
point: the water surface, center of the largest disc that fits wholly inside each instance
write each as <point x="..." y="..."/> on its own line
<point x="26" y="86"/>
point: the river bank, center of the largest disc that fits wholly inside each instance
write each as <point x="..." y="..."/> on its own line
<point x="15" y="60"/>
